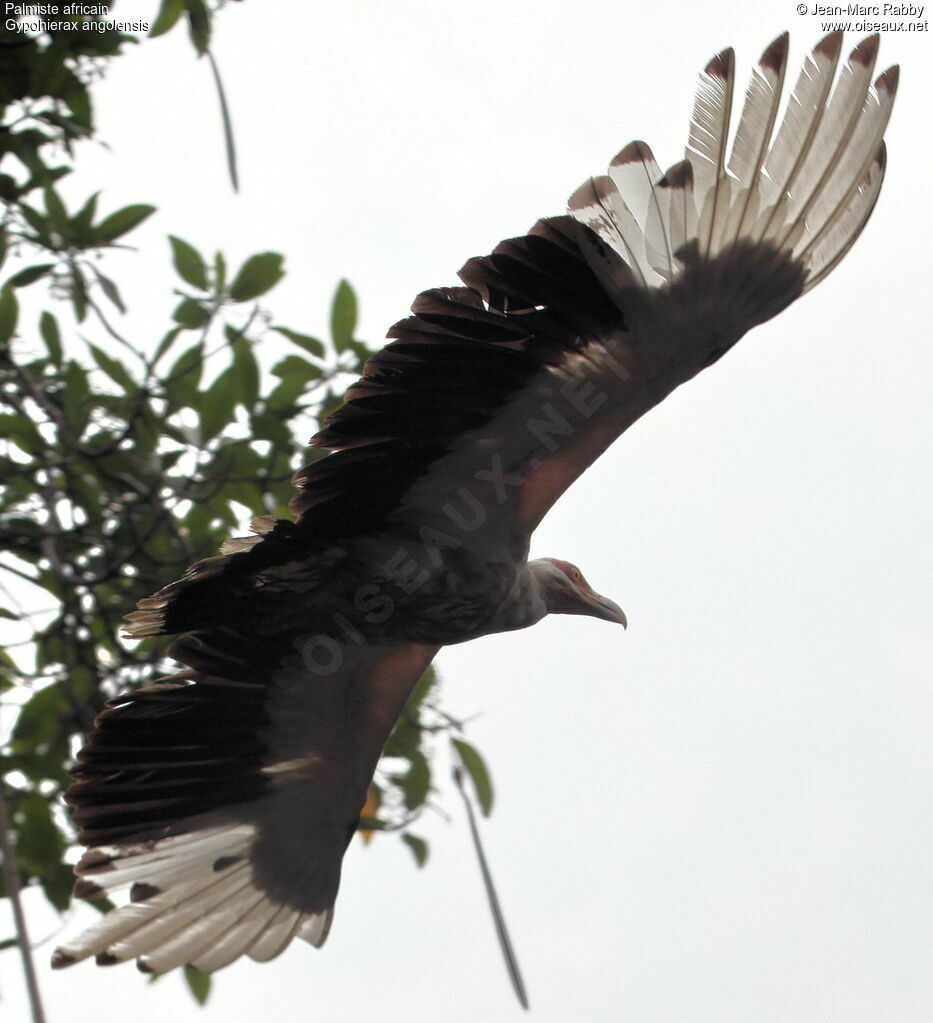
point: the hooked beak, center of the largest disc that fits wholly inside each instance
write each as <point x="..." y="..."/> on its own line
<point x="608" y="610"/>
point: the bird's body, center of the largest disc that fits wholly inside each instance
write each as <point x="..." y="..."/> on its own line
<point x="224" y="797"/>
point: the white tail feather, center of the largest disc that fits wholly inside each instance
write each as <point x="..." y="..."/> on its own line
<point x="195" y="900"/>
<point x="276" y="935"/>
<point x="114" y="868"/>
<point x="315" y="928"/>
<point x="236" y="940"/>
<point x="185" y="923"/>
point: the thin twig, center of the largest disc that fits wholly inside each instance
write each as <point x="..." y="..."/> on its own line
<point x="11" y="877"/>
<point x="502" y="933"/>
<point x="229" y="143"/>
<point x="111" y="330"/>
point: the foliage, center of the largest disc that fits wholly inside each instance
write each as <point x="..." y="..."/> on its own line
<point x="119" y="465"/>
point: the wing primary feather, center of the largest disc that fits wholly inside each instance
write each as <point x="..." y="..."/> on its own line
<point x="678" y="182"/>
<point x="756" y="125"/>
<point x="847" y="175"/>
<point x="801" y="121"/>
<point x="636" y="174"/>
<point x="707" y="141"/>
<point x="836" y="130"/>
<point x="797" y="190"/>
<point x="591" y="207"/>
<point x="845" y="229"/>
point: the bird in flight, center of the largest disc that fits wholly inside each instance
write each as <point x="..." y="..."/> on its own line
<point x="223" y="797"/>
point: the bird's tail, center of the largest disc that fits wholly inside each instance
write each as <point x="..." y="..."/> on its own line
<point x="221" y="855"/>
<point x="193" y="900"/>
<point x="794" y="203"/>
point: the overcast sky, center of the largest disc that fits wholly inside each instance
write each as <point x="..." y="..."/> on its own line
<point x="723" y="814"/>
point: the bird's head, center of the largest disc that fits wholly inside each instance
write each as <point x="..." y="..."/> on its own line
<point x="566" y="592"/>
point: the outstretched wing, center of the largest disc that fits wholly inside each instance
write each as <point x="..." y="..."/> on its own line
<point x="493" y="398"/>
<point x="224" y="805"/>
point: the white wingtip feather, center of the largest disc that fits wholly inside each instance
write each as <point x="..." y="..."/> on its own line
<point x="805" y="190"/>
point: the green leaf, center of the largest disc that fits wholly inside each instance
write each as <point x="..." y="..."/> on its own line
<point x="256" y="276"/>
<point x="82" y="220"/>
<point x="169" y="13"/>
<point x="9" y="313"/>
<point x="122" y="221"/>
<point x="217" y="404"/>
<point x="188" y="263"/>
<point x="286" y="395"/>
<point x="27" y="144"/>
<point x="245" y="365"/>
<point x="199" y="984"/>
<point x="269" y="425"/>
<point x="191" y="314"/>
<point x="79" y="103"/>
<point x="39" y="844"/>
<point x="109" y="289"/>
<point x="416" y="783"/>
<point x="38" y="223"/>
<point x="37" y="724"/>
<point x="220" y="271"/>
<point x="343" y="316"/>
<point x="114" y="369"/>
<point x="57" y="214"/>
<point x="199" y="24"/>
<point x="75" y="397"/>
<point x="167" y="341"/>
<point x="418" y="846"/>
<point x="48" y="328"/>
<point x="198" y="522"/>
<point x="57" y="883"/>
<point x="476" y="768"/>
<point x="23" y="433"/>
<point x="420" y="693"/>
<point x="29" y="275"/>
<point x="295" y="366"/>
<point x="181" y="384"/>
<point x="305" y="341"/>
<point x="78" y="293"/>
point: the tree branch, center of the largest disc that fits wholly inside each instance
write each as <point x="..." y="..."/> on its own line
<point x="11" y="877"/>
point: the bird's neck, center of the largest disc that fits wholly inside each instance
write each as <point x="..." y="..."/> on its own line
<point x="525" y="605"/>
